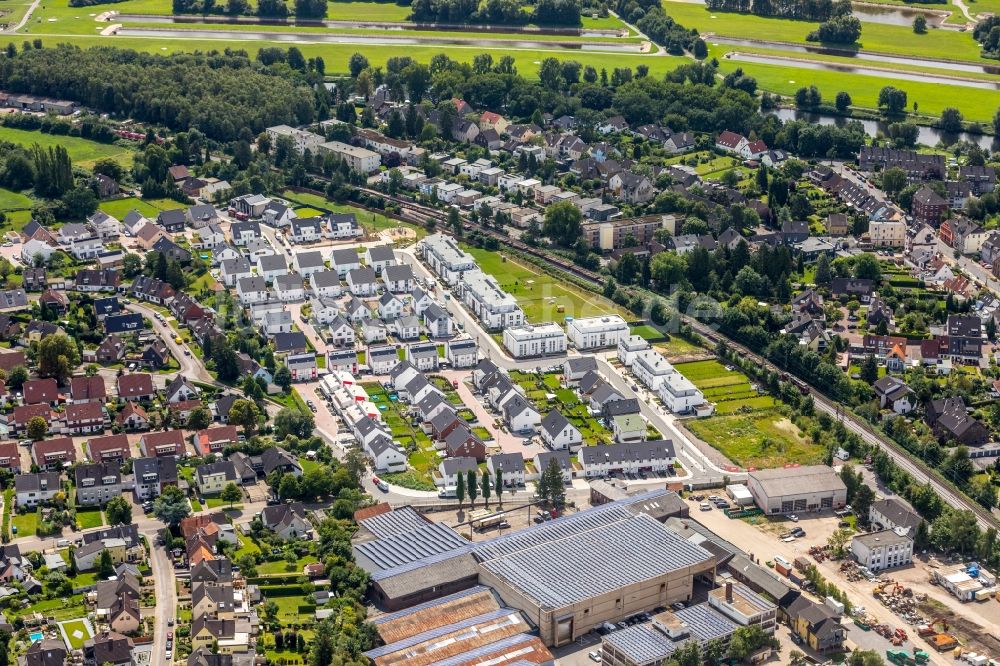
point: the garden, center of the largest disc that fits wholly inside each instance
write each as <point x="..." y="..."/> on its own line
<point x="546" y="393"/>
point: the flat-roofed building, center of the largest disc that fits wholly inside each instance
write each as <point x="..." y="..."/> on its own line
<point x="492" y="305"/>
<point x="654" y="643"/>
<point x="679" y="394"/>
<point x="301" y="139"/>
<point x="882" y="550"/>
<point x="797" y="489"/>
<point x="617" y="234"/>
<point x="597" y="332"/>
<point x="446" y="258"/>
<point x="744" y="606"/>
<point x="532" y="340"/>
<point x="358" y="159"/>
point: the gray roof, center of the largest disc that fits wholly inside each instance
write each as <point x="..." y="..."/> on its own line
<point x="237" y="265"/>
<point x="402" y="272"/>
<point x="579" y="364"/>
<point x="288" y="281"/>
<point x="554" y="422"/>
<point x="511" y="462"/>
<point x="324" y="278"/>
<point x="309" y="259"/>
<point x="382" y="253"/>
<point x="272" y="262"/>
<point x="457" y="465"/>
<point x="379" y="352"/>
<point x="252" y="283"/>
<point x="599" y="562"/>
<point x="883" y="538"/>
<point x="706" y="623"/>
<point x="344" y="257"/>
<point x="642" y="644"/>
<point x="393" y="523"/>
<point x="410" y="546"/>
<point x="798" y="480"/>
<point x="435" y="312"/>
<point x="363" y="275"/>
<point x="632" y="451"/>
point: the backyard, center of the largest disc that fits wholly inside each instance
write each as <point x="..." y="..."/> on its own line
<point x="25" y="524"/>
<point x="730" y="390"/>
<point x="77" y="632"/>
<point x="542" y="297"/>
<point x="538" y="391"/>
<point x="89" y="518"/>
<point x="422" y="456"/>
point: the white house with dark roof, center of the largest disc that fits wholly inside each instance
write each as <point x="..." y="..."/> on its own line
<point x="382" y="359"/>
<point x="894" y="394"/>
<point x="438" y="321"/>
<point x="362" y="281"/>
<point x="289" y="288"/>
<point x="424" y="356"/>
<point x="462" y="353"/>
<point x="520" y="415"/>
<point x="559" y="434"/>
<point x="341" y="332"/>
<point x="386" y="455"/>
<point x="655" y="456"/>
<point x="309" y="262"/>
<point x="252" y="290"/>
<point x="511" y="465"/>
<point x="398" y="279"/>
<point x="450" y="468"/>
<point x="380" y="256"/>
<point x="345" y="261"/>
<point x="374" y="330"/>
<point x="326" y="284"/>
<point x="270" y="266"/>
<point x="343" y="225"/>
<point x="390" y="307"/>
<point x="235" y="269"/>
<point x="406" y="328"/>
<point x="421" y="300"/>
<point x="306" y="230"/>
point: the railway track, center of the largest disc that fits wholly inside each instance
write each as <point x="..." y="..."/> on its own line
<point x="917" y="469"/>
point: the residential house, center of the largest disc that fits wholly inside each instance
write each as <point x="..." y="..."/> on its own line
<point x="559" y="434"/>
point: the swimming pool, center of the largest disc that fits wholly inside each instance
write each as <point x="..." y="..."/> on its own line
<point x="37" y="636"/>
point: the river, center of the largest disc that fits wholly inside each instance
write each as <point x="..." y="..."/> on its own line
<point x="928" y="136"/>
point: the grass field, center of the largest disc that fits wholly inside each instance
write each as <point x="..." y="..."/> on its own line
<point x="63" y="608"/>
<point x="119" y="208"/>
<point x="74" y="627"/>
<point x="539" y="294"/>
<point x="26" y="523"/>
<point x="81" y="151"/>
<point x="730" y="390"/>
<point x="89" y="518"/>
<point x="13" y="200"/>
<point x="759" y="439"/>
<point x="281" y="566"/>
<point x="313" y="204"/>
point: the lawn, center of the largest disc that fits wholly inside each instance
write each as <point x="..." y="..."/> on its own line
<point x="281" y="567"/>
<point x="760" y="439"/>
<point x="729" y="390"/>
<point x="542" y="297"/>
<point x="313" y="205"/>
<point x="119" y="208"/>
<point x="81" y="151"/>
<point x="678" y="346"/>
<point x="370" y="11"/>
<point x="247" y="547"/>
<point x="89" y="518"/>
<point x="26" y="523"/>
<point x="74" y="627"/>
<point x="14" y="200"/>
<point x="216" y="502"/>
<point x="63" y="608"/>
<point x="647" y="333"/>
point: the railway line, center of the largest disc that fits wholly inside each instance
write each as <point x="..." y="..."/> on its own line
<point x="419" y="214"/>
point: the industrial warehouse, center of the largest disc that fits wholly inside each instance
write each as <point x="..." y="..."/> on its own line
<point x="413" y="561"/>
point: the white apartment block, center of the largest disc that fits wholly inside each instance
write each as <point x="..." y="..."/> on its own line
<point x="887" y="233"/>
<point x="597" y="332"/>
<point x="495" y="307"/>
<point x="650" y="368"/>
<point x="882" y="550"/>
<point x="358" y="159"/>
<point x="534" y="340"/>
<point x="629" y="346"/>
<point x="446" y="258"/>
<point x="301" y="139"/>
<point x="679" y="394"/>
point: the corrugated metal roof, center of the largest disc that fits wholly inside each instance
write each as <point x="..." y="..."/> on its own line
<point x="411" y="546"/>
<point x="392" y="617"/>
<point x="641" y="643"/>
<point x="402" y="520"/>
<point x="591" y="561"/>
<point x="384" y="574"/>
<point x="519" y="644"/>
<point x="706" y="623"/>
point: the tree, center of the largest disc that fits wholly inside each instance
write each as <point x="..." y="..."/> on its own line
<point x="892" y="100"/>
<point x="118" y="511"/>
<point x="58" y="355"/>
<point x="471" y="487"/>
<point x="869" y="369"/>
<point x="486" y="488"/>
<point x="357" y="64"/>
<point x="920" y="24"/>
<point x="16" y="377"/>
<point x="838" y="543"/>
<point x="37" y="428"/>
<point x="231" y="494"/>
<point x="823" y="269"/>
<point x="562" y="223"/>
<point x="951" y="120"/>
<point x="893" y="180"/>
<point x="199" y="419"/>
<point x="498" y="485"/>
<point x="866" y="267"/>
<point x="460" y="489"/>
<point x="244" y="413"/>
<point x="842" y="102"/>
<point x="290" y="421"/>
<point x="556" y="487"/>
<point x="171" y="507"/>
<point x="862" y="502"/>
<point x="105" y="565"/>
<point x="283" y="378"/>
<point x="455" y="221"/>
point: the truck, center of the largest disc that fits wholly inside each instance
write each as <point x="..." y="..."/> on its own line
<point x="497" y="520"/>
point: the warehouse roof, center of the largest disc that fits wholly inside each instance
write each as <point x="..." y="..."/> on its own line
<point x="402" y="520"/>
<point x="798" y="480"/>
<point x="706" y="623"/>
<point x="599" y="562"/>
<point x="411" y="621"/>
<point x="528" y="648"/>
<point x="426" y="574"/>
<point x="641" y="643"/>
<point x="408" y="546"/>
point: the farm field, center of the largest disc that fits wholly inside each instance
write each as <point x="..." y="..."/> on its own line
<point x="539" y="294"/>
<point x="762" y="438"/>
<point x="81" y="151"/>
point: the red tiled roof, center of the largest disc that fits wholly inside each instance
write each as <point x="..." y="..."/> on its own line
<point x="84" y="411"/>
<point x="9" y="360"/>
<point x="99" y="448"/>
<point x="136" y="384"/>
<point x="37" y="391"/>
<point x="25" y="413"/>
<point x="87" y="388"/>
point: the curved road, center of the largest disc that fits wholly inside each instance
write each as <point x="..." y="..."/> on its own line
<point x="24" y="19"/>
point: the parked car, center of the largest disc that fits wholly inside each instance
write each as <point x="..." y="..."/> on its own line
<point x="594" y="656"/>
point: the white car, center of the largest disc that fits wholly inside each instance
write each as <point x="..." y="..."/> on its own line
<point x="594" y="656"/>
<point x="793" y="518"/>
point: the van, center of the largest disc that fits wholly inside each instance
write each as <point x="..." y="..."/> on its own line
<point x="705" y="506"/>
<point x="62" y="543"/>
<point x="448" y="493"/>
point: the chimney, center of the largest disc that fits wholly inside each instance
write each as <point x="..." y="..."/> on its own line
<point x="729" y="593"/>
